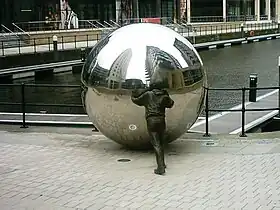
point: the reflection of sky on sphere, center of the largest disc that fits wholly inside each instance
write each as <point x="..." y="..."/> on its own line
<point x="137" y="38"/>
<point x="122" y="56"/>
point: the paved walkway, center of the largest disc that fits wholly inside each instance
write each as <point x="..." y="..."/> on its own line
<point x="79" y="170"/>
<point x="201" y="31"/>
<point x="46" y="47"/>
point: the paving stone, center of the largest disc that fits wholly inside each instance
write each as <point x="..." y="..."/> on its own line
<point x="74" y="176"/>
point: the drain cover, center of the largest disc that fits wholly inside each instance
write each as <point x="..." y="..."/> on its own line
<point x="124" y="160"/>
<point x="210" y="144"/>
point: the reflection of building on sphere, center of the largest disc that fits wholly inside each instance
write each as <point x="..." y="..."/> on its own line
<point x="133" y="84"/>
<point x="130" y="61"/>
<point x="118" y="69"/>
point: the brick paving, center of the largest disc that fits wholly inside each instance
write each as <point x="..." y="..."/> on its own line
<point x="47" y="171"/>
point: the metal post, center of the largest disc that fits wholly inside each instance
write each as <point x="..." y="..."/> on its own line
<point x="279" y="86"/>
<point x="55" y="48"/>
<point x="83" y="54"/>
<point x="242" y="30"/>
<point x="62" y="42"/>
<point x="224" y="10"/>
<point x="253" y="82"/>
<point x="178" y="11"/>
<point x="207" y="113"/>
<point x="135" y="10"/>
<point x="158" y="8"/>
<point x="19" y="46"/>
<point x="23" y="105"/>
<point x="34" y="43"/>
<point x="3" y="50"/>
<point x="243" y="114"/>
<point x="55" y="43"/>
<point x="49" y="42"/>
<point x="75" y="41"/>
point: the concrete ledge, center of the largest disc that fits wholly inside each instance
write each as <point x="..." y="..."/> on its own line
<point x="226" y="43"/>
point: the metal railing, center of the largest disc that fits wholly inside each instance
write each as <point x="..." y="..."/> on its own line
<point x="23" y="102"/>
<point x="89" y="39"/>
<point x="45" y="44"/>
<point x="9" y="30"/>
<point x="243" y="109"/>
<point x="33" y="26"/>
<point x="52" y="25"/>
<point x="229" y="18"/>
<point x="21" y="30"/>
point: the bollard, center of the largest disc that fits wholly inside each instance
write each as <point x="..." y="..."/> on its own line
<point x="54" y="42"/>
<point x="242" y="30"/>
<point x="253" y="84"/>
<point x="55" y="48"/>
<point x="83" y="54"/>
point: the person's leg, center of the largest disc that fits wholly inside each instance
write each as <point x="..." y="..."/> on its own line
<point x="162" y="144"/>
<point x="155" y="140"/>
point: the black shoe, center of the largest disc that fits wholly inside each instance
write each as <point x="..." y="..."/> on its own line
<point x="159" y="171"/>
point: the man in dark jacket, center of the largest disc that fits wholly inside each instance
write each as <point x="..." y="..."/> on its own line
<point x="155" y="100"/>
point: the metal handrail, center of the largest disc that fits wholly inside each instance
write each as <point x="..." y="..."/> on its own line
<point x="243" y="109"/>
<point x="21" y="29"/>
<point x="192" y="30"/>
<point x="118" y="25"/>
<point x="3" y="35"/>
<point x="24" y="104"/>
<point x="109" y="24"/>
<point x="100" y="24"/>
<point x="243" y="106"/>
<point x="91" y="24"/>
<point x="9" y="30"/>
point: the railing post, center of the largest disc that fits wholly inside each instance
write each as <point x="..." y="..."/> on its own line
<point x="19" y="47"/>
<point x="23" y="105"/>
<point x="217" y="30"/>
<point x="243" y="114"/>
<point x="3" y="50"/>
<point x="49" y="42"/>
<point x="207" y="113"/>
<point x="62" y="43"/>
<point x="279" y="86"/>
<point x="34" y="43"/>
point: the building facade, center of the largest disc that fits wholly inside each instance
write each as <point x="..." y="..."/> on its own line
<point x="14" y="11"/>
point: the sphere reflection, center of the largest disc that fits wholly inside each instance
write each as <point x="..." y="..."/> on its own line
<point x="131" y="59"/>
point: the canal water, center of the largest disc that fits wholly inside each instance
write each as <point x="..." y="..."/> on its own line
<point x="226" y="68"/>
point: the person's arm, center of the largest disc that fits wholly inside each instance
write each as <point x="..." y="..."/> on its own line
<point x="168" y="102"/>
<point x="140" y="99"/>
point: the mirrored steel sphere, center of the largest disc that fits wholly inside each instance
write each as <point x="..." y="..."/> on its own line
<point x="131" y="59"/>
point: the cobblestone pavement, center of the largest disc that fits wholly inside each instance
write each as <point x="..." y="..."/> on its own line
<point x="47" y="171"/>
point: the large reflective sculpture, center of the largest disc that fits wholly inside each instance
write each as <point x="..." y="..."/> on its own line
<point x="131" y="59"/>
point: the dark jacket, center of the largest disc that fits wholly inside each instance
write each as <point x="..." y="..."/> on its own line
<point x="155" y="102"/>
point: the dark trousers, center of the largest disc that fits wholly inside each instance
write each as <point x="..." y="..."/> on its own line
<point x="156" y="128"/>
